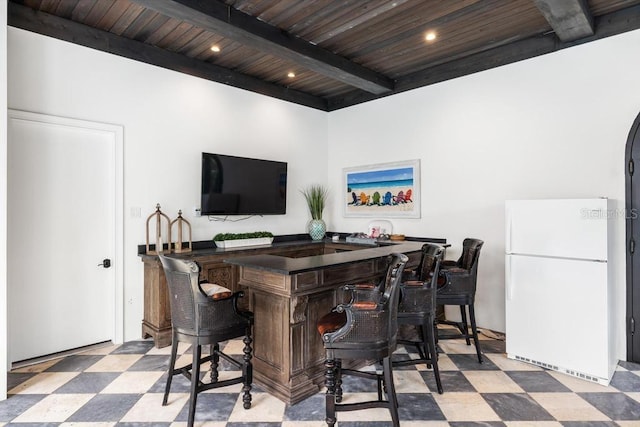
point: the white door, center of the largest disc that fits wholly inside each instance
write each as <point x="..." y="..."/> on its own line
<point x="62" y="222"/>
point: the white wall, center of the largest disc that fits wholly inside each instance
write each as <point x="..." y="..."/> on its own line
<point x="3" y="198"/>
<point x="169" y="119"/>
<point x="549" y="127"/>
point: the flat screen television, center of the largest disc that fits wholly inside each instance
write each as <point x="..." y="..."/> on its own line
<point x="242" y="186"/>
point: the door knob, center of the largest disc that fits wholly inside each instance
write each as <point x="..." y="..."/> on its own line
<point x="106" y="263"/>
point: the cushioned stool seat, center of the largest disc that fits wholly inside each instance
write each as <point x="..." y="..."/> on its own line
<point x="332" y="322"/>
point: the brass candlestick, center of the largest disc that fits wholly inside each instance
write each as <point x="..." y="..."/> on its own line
<point x="179" y="221"/>
<point x="159" y="245"/>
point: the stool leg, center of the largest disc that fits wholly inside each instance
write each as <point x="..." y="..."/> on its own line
<point x="215" y="359"/>
<point x="422" y="346"/>
<point x="247" y="370"/>
<point x="382" y="386"/>
<point x="172" y="366"/>
<point x="391" y="390"/>
<point x="195" y="379"/>
<point x="430" y="340"/>
<point x="474" y="329"/>
<point x="465" y="325"/>
<point x="338" y="381"/>
<point x="330" y="398"/>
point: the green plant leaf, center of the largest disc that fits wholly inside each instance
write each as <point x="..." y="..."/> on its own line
<point x="237" y="236"/>
<point x="316" y="197"/>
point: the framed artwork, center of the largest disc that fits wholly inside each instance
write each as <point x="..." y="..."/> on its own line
<point x="385" y="190"/>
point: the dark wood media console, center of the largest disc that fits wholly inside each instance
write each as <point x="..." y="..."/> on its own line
<point x="288" y="286"/>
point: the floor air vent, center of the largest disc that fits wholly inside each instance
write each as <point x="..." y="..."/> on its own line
<point x="535" y="362"/>
<point x="571" y="372"/>
<point x="581" y="375"/>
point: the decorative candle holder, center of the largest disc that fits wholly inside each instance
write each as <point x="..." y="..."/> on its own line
<point x="157" y="238"/>
<point x="180" y="222"/>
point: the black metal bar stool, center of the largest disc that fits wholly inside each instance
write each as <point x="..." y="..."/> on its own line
<point x="458" y="287"/>
<point x="364" y="329"/>
<point x="201" y="319"/>
<point x="418" y="308"/>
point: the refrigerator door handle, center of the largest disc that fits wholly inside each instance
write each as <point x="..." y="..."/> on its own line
<point x="508" y="231"/>
<point x="507" y="279"/>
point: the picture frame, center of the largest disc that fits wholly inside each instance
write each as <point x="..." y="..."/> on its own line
<point x="383" y="190"/>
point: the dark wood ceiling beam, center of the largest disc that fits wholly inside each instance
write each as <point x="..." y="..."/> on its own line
<point x="605" y="26"/>
<point x="49" y="25"/>
<point x="570" y="19"/>
<point x="222" y="19"/>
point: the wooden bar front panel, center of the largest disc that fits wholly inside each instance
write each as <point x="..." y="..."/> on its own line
<point x="156" y="322"/>
<point x="289" y="354"/>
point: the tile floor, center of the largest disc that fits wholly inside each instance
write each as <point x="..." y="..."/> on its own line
<point x="123" y="385"/>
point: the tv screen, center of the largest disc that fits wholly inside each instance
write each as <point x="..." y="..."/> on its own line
<point x="242" y="186"/>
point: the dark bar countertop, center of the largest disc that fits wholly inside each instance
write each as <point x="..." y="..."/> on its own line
<point x="289" y="266"/>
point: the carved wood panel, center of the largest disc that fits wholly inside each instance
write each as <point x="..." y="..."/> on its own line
<point x="221" y="274"/>
<point x="317" y="306"/>
<point x="271" y="332"/>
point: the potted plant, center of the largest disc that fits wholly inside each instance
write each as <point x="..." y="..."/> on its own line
<point x="316" y="197"/>
<point x="232" y="240"/>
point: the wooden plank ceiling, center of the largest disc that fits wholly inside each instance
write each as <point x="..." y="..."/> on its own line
<point x="327" y="54"/>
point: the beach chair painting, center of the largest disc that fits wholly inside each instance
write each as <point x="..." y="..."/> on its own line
<point x="399" y="198"/>
<point x="407" y="196"/>
<point x="375" y="198"/>
<point x="355" y="199"/>
<point x="383" y="190"/>
<point x="388" y="197"/>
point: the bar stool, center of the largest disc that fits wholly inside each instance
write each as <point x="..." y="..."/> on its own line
<point x="201" y="319"/>
<point x="364" y="329"/>
<point x="458" y="287"/>
<point x="418" y="308"/>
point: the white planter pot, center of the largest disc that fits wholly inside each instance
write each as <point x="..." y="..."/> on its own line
<point x="225" y="244"/>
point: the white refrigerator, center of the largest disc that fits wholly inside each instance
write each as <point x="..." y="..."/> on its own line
<point x="557" y="286"/>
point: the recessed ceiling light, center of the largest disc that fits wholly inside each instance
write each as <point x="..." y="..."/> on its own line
<point x="215" y="48"/>
<point x="291" y="74"/>
<point x="431" y="36"/>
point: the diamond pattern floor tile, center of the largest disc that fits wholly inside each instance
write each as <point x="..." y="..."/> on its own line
<point x="123" y="386"/>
